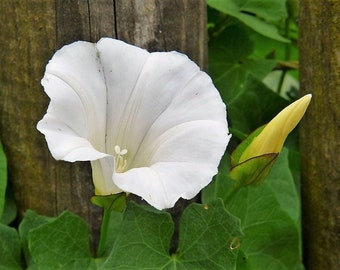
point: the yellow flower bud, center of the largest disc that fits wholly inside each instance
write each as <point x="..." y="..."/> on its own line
<point x="253" y="159"/>
<point x="272" y="137"/>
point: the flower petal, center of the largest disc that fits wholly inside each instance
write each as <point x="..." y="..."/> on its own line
<point x="75" y="84"/>
<point x="159" y="91"/>
<point x="198" y="101"/>
<point x="181" y="162"/>
<point x="122" y="66"/>
<point x="166" y="182"/>
<point x="75" y="122"/>
<point x="64" y="143"/>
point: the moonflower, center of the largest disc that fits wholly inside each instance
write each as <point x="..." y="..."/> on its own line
<point x="151" y="124"/>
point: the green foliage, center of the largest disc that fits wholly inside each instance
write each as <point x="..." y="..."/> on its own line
<point x="10" y="251"/>
<point x="242" y="57"/>
<point x="3" y="180"/>
<point x="269" y="217"/>
<point x="239" y="80"/>
<point x="30" y="221"/>
<point x="114" y="202"/>
<point x="142" y="240"/>
<point x="60" y="243"/>
<point x="254" y="14"/>
<point x="9" y="248"/>
<point x="205" y="234"/>
<point x="8" y="208"/>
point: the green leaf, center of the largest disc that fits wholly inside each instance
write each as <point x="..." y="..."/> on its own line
<point x="10" y="210"/>
<point x="230" y="46"/>
<point x="60" y="244"/>
<point x="264" y="46"/>
<point x="30" y="221"/>
<point x="229" y="65"/>
<point x="269" y="216"/>
<point x="143" y="241"/>
<point x="9" y="248"/>
<point x="3" y="179"/>
<point x="205" y="235"/>
<point x="240" y="10"/>
<point x="114" y="226"/>
<point x="238" y="78"/>
<point x="254" y="106"/>
<point x="267" y="10"/>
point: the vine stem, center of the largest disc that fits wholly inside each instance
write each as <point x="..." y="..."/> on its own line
<point x="287" y="54"/>
<point x="103" y="233"/>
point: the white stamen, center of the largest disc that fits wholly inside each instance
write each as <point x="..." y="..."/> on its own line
<point x="120" y="161"/>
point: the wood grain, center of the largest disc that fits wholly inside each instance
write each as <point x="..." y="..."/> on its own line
<point x="320" y="75"/>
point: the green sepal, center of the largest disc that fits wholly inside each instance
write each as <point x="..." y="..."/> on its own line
<point x="237" y="153"/>
<point x="113" y="202"/>
<point x="253" y="171"/>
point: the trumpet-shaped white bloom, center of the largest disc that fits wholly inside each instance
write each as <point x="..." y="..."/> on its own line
<point x="151" y="124"/>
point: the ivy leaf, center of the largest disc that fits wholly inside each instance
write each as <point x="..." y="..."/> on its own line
<point x="205" y="235"/>
<point x="229" y="64"/>
<point x="9" y="248"/>
<point x="114" y="227"/>
<point x="267" y="10"/>
<point x="30" y="221"/>
<point x="269" y="218"/>
<point x="247" y="15"/>
<point x="143" y="241"/>
<point x="10" y="210"/>
<point x="254" y="106"/>
<point x="231" y="45"/>
<point x="60" y="244"/>
<point x="239" y="80"/>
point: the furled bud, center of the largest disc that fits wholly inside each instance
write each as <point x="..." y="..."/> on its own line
<point x="254" y="157"/>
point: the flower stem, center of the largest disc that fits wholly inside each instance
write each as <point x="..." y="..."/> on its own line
<point x="287" y="54"/>
<point x="103" y="233"/>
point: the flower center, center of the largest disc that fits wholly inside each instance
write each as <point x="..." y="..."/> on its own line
<point x="120" y="161"/>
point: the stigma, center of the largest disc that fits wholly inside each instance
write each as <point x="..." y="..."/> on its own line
<point x="120" y="161"/>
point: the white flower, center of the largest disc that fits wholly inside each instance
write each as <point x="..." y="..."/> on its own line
<point x="151" y="124"/>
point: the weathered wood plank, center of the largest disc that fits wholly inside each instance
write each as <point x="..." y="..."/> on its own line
<point x="320" y="74"/>
<point x="165" y="25"/>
